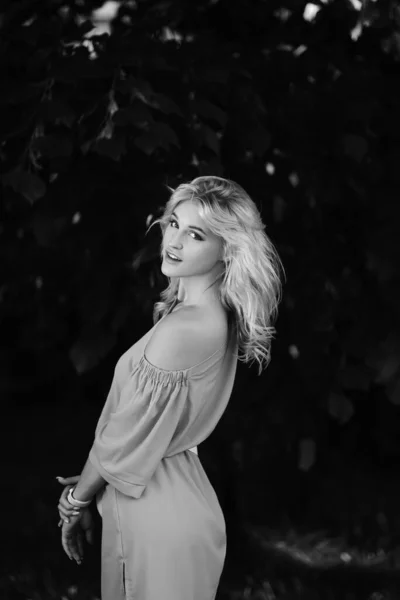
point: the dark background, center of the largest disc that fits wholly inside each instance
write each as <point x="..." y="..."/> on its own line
<point x="300" y="106"/>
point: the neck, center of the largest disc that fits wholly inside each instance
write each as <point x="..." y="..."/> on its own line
<point x="205" y="301"/>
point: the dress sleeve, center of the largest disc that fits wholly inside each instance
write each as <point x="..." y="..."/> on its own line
<point x="128" y="447"/>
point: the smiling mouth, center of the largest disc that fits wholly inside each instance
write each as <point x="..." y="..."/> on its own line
<point x="171" y="258"/>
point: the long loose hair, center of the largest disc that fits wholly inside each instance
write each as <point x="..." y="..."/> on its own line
<point x="250" y="285"/>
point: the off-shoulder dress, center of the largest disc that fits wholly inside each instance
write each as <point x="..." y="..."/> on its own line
<point x="163" y="530"/>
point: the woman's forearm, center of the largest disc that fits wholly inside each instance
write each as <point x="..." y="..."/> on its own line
<point x="89" y="483"/>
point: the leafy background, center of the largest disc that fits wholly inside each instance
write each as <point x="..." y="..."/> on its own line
<point x="102" y="105"/>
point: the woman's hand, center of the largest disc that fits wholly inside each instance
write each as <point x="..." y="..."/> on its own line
<point x="87" y="524"/>
<point x="72" y="539"/>
<point x="72" y="535"/>
<point x="65" y="509"/>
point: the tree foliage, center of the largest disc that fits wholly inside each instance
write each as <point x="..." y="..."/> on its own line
<point x="301" y="111"/>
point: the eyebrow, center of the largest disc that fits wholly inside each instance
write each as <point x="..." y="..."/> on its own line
<point x="190" y="226"/>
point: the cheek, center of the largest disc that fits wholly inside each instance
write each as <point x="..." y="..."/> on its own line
<point x="207" y="256"/>
<point x="166" y="236"/>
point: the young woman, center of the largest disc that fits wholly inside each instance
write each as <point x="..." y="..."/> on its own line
<point x="163" y="530"/>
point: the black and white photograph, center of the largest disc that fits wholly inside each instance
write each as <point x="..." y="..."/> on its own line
<point x="200" y="299"/>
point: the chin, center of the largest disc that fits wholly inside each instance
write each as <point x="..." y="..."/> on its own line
<point x="169" y="269"/>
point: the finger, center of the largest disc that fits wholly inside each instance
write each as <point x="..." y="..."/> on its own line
<point x="62" y="520"/>
<point x="65" y="503"/>
<point x="73" y="519"/>
<point x="66" y="489"/>
<point x="64" y="544"/>
<point x="66" y="516"/>
<point x="68" y="510"/>
<point x="64" y="493"/>
<point x="62" y="480"/>
<point x="63" y="500"/>
<point x="69" y="544"/>
<point x="89" y="535"/>
<point x="73" y="547"/>
<point x="79" y="541"/>
<point x="67" y="506"/>
<point x="68" y="480"/>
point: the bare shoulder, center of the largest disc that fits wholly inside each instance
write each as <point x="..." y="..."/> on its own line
<point x="186" y="337"/>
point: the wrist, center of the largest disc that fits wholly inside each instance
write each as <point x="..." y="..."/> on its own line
<point x="76" y="501"/>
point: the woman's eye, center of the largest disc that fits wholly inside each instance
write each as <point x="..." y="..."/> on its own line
<point x="197" y="237"/>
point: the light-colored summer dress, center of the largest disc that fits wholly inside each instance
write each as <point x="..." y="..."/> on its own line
<point x="163" y="533"/>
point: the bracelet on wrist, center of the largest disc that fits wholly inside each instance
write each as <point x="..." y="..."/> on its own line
<point x="75" y="502"/>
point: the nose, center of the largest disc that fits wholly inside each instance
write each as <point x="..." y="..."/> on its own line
<point x="175" y="242"/>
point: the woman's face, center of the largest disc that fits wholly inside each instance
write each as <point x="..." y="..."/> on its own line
<point x="199" y="249"/>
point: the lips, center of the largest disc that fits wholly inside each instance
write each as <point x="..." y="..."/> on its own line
<point x="168" y="251"/>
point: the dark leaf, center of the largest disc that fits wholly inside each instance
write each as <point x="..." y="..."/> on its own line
<point x="384" y="358"/>
<point x="210" y="139"/>
<point x="160" y="135"/>
<point x="27" y="184"/>
<point x="260" y="140"/>
<point x="393" y="391"/>
<point x="216" y="75"/>
<point x="148" y="142"/>
<point x="78" y="67"/>
<point x="136" y="115"/>
<point x="92" y="346"/>
<point x="210" y="111"/>
<point x="120" y="316"/>
<point x="167" y="134"/>
<point x="113" y="148"/>
<point x="77" y="29"/>
<point x="211" y="167"/>
<point x="355" y="378"/>
<point x="141" y="89"/>
<point x="46" y="229"/>
<point x="57" y="111"/>
<point x="307" y="451"/>
<point x="165" y="104"/>
<point x="21" y="92"/>
<point x="160" y="63"/>
<point x="340" y="407"/>
<point x="355" y="146"/>
<point x="53" y="146"/>
<point x="279" y="208"/>
<point x="28" y="34"/>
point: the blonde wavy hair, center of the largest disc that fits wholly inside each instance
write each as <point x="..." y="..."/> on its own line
<point x="250" y="285"/>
